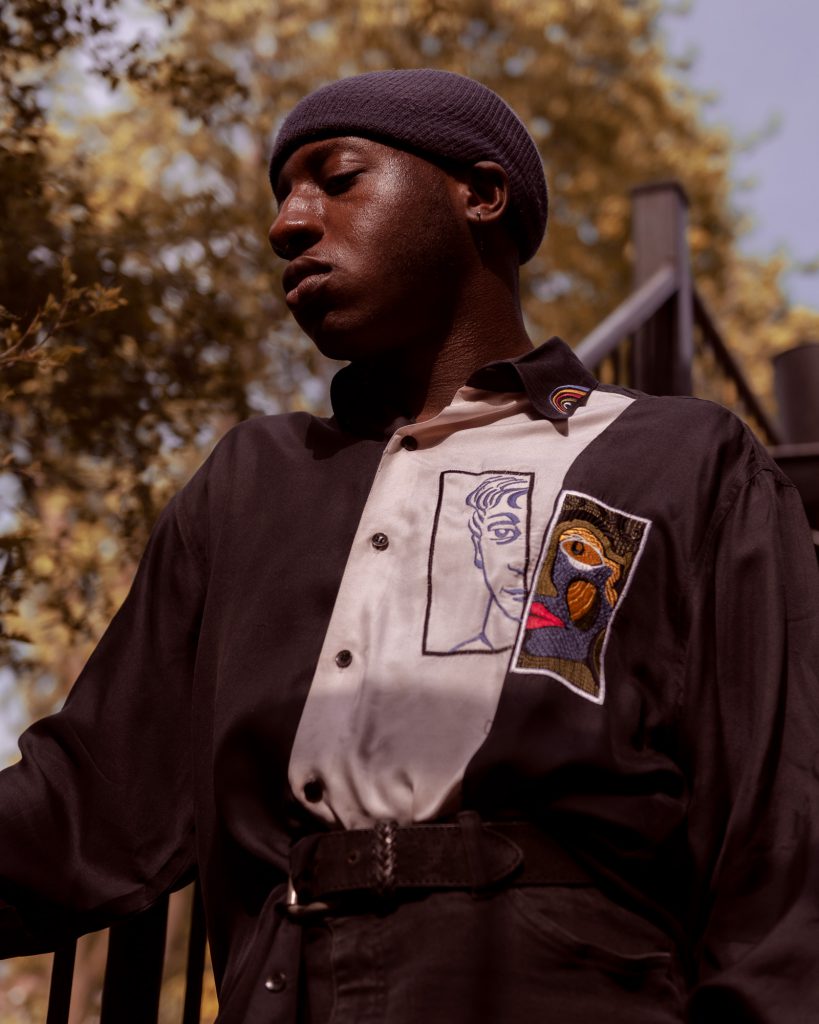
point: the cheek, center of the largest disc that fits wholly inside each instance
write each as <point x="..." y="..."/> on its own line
<point x="414" y="234"/>
<point x="499" y="557"/>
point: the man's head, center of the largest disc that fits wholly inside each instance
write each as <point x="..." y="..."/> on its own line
<point x="445" y="117"/>
<point x="396" y="191"/>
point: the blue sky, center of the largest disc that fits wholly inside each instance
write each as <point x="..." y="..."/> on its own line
<point x="759" y="57"/>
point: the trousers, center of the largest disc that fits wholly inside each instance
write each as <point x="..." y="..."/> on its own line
<point x="529" y="954"/>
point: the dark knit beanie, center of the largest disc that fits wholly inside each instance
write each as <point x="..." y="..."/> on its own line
<point x="437" y="114"/>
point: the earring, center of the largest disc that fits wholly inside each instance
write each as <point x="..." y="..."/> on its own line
<point x="480" y="236"/>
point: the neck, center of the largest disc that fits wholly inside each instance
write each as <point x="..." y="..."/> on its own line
<point x="487" y="325"/>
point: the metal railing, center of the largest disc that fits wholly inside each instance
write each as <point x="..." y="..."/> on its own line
<point x="133" y="970"/>
<point x="649" y="341"/>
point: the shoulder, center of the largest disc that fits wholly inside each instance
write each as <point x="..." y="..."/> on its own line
<point x="264" y="435"/>
<point x="681" y="463"/>
<point x="267" y="443"/>
<point x="683" y="434"/>
<point x="698" y="416"/>
<point x="251" y="463"/>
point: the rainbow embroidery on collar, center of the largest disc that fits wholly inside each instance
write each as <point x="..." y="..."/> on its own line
<point x="567" y="397"/>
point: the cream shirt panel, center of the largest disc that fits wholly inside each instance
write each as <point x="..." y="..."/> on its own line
<point x="419" y="641"/>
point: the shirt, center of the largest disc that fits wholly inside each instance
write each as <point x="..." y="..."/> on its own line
<point x="638" y="675"/>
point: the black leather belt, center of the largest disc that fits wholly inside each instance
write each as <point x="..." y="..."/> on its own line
<point x="380" y="862"/>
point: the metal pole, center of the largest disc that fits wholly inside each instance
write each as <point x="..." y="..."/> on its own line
<point x="62" y="977"/>
<point x="664" y="348"/>
<point x="133" y="974"/>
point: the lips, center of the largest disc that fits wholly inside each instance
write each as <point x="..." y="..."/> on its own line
<point x="541" y="618"/>
<point x="302" y="277"/>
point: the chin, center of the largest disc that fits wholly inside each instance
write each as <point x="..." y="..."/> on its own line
<point x="350" y="342"/>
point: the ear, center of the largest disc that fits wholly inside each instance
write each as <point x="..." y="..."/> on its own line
<point x="478" y="560"/>
<point x="487" y="192"/>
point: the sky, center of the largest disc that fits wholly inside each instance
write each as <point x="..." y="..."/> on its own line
<point x="759" y="58"/>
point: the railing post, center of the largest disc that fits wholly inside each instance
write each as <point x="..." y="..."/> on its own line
<point x="197" y="942"/>
<point x="133" y="973"/>
<point x="796" y="385"/>
<point x="62" y="978"/>
<point x="663" y="350"/>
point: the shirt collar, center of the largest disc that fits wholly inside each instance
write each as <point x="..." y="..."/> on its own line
<point x="551" y="375"/>
<point x="554" y="379"/>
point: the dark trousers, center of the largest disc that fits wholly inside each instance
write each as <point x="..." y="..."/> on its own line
<point x="552" y="953"/>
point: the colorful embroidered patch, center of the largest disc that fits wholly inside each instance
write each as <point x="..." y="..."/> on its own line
<point x="478" y="562"/>
<point x="567" y="397"/>
<point x="588" y="557"/>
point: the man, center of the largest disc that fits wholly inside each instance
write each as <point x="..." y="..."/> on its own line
<point x="613" y="820"/>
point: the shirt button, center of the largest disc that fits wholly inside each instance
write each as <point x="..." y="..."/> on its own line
<point x="277" y="982"/>
<point x="409" y="443"/>
<point x="344" y="658"/>
<point x="313" y="790"/>
<point x="380" y="541"/>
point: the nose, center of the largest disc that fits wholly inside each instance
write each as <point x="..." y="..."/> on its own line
<point x="297" y="226"/>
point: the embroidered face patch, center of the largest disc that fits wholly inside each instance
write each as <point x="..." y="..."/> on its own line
<point x="478" y="564"/>
<point x="587" y="560"/>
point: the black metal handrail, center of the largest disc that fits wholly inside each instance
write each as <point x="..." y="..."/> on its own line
<point x="657" y="320"/>
<point x="705" y="321"/>
<point x="632" y="313"/>
<point x="133" y="969"/>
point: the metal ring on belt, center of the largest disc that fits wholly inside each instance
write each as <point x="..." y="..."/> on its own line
<point x="390" y="858"/>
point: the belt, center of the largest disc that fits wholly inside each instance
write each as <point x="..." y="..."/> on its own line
<point x="380" y="863"/>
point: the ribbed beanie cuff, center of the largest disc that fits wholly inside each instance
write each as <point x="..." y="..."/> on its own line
<point x="437" y="114"/>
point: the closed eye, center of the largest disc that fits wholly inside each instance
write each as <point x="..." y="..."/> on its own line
<point x="335" y="184"/>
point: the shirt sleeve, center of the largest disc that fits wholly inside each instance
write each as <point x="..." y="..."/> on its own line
<point x="751" y="736"/>
<point x="96" y="819"/>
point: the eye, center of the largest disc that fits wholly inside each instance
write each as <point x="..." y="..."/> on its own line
<point x="335" y="184"/>
<point x="504" y="534"/>
<point x="581" y="552"/>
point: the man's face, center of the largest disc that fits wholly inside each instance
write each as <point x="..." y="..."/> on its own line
<point x="373" y="242"/>
<point x="502" y="553"/>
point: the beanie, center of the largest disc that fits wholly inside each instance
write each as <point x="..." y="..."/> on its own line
<point x="436" y="114"/>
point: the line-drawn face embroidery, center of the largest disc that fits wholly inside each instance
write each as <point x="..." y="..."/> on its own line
<point x="497" y="526"/>
<point x="587" y="560"/>
<point x="491" y="516"/>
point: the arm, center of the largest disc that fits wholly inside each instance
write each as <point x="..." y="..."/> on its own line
<point x="96" y="819"/>
<point x="751" y="728"/>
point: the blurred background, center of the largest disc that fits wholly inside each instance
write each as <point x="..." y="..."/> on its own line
<point x="141" y="312"/>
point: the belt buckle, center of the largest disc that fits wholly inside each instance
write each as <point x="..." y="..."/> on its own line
<point x="296" y="909"/>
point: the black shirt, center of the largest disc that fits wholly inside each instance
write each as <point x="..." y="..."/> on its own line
<point x="689" y="787"/>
